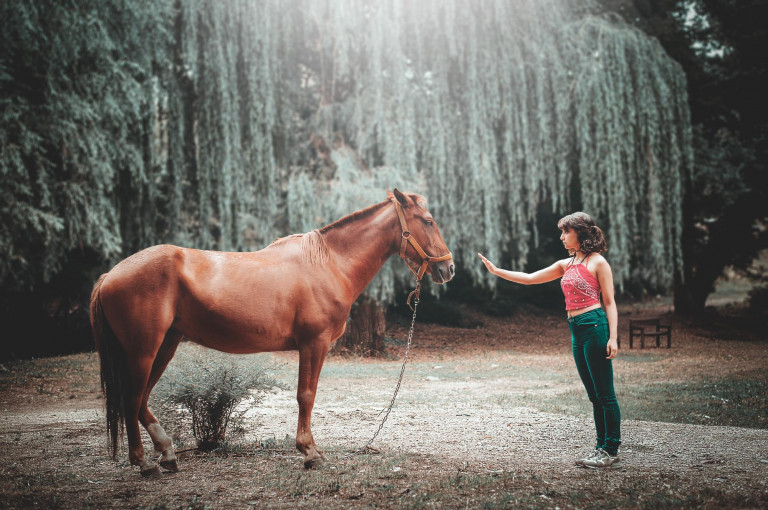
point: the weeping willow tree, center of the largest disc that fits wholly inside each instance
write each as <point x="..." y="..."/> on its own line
<point x="122" y="125"/>
<point x="129" y="124"/>
<point x="505" y="107"/>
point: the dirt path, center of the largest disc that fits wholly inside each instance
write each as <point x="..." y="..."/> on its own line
<point x="481" y="408"/>
<point x="461" y="417"/>
<point x="474" y="417"/>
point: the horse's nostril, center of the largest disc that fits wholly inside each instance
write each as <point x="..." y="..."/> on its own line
<point x="452" y="269"/>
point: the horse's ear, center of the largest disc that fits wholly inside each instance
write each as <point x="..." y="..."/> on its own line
<point x="400" y="197"/>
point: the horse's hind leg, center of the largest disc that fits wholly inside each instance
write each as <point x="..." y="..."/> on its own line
<point x="141" y="367"/>
<point x="162" y="442"/>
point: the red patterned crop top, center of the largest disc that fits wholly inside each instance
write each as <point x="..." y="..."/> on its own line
<point x="580" y="288"/>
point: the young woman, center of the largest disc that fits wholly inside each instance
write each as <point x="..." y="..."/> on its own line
<point x="586" y="278"/>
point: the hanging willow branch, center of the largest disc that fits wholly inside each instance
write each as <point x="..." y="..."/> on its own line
<point x="503" y="107"/>
<point x="200" y="134"/>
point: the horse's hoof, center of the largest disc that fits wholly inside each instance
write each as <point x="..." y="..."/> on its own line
<point x="150" y="472"/>
<point x="170" y="465"/>
<point x="313" y="461"/>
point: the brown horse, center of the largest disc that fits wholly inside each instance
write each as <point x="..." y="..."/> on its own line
<point x="295" y="294"/>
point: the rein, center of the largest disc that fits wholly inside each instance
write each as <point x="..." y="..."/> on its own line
<point x="426" y="260"/>
<point x="367" y="445"/>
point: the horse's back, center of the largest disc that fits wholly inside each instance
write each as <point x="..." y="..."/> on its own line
<point x="232" y="301"/>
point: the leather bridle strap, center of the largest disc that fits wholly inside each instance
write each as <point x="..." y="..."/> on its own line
<point x="406" y="238"/>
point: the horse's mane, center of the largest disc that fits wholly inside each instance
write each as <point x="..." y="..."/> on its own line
<point x="314" y="246"/>
<point x="358" y="215"/>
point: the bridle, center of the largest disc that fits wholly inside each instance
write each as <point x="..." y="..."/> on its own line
<point x="406" y="238"/>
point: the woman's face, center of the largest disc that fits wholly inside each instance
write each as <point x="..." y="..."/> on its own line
<point x="570" y="239"/>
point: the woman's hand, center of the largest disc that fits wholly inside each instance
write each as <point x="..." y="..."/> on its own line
<point x="488" y="264"/>
<point x="612" y="349"/>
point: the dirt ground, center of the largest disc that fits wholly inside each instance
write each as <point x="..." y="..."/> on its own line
<point x="479" y="423"/>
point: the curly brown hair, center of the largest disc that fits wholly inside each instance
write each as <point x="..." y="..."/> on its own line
<point x="591" y="238"/>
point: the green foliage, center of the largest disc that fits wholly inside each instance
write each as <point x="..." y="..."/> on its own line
<point x="213" y="391"/>
<point x="634" y="157"/>
<point x="75" y="90"/>
<point x="126" y="125"/>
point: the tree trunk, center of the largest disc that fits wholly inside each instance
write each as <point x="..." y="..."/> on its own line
<point x="701" y="269"/>
<point x="365" y="329"/>
<point x="689" y="301"/>
<point x="709" y="248"/>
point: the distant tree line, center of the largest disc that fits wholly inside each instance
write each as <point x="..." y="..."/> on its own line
<point x="222" y="125"/>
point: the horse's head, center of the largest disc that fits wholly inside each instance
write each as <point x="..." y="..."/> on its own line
<point x="421" y="244"/>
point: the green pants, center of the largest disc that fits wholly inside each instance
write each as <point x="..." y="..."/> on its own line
<point x="589" y="335"/>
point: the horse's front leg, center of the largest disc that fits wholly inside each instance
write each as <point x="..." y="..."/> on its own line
<point x="311" y="357"/>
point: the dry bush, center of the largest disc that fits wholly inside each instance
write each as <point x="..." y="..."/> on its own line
<point x="213" y="391"/>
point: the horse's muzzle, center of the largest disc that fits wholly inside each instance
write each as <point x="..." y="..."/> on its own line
<point x="443" y="272"/>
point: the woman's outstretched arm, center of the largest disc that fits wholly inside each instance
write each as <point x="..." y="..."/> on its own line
<point x="547" y="274"/>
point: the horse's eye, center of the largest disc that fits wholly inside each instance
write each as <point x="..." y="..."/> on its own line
<point x="429" y="222"/>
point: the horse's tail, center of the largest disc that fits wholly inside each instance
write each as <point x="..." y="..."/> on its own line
<point x="114" y="369"/>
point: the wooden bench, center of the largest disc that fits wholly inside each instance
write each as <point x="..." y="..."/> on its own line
<point x="649" y="328"/>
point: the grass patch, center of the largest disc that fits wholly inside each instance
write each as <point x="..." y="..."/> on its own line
<point x="636" y="357"/>
<point x="727" y="402"/>
<point x="77" y="373"/>
<point x="730" y="402"/>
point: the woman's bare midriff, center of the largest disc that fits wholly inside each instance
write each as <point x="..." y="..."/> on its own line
<point x="574" y="313"/>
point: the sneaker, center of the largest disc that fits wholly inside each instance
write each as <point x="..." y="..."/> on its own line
<point x="600" y="459"/>
<point x="580" y="462"/>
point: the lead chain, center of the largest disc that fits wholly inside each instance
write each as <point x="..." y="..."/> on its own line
<point x="397" y="388"/>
